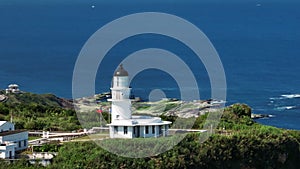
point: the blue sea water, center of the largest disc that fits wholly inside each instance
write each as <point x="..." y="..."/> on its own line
<point x="258" y="43"/>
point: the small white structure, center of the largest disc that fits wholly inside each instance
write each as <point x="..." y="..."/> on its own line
<point x="12" y="88"/>
<point x="45" y="134"/>
<point x="123" y="124"/>
<point x="11" y="140"/>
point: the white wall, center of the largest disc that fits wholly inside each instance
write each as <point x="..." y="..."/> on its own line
<point x="4" y="151"/>
<point x="150" y="131"/>
<point x="120" y="133"/>
<point x="18" y="138"/>
<point x="121" y="108"/>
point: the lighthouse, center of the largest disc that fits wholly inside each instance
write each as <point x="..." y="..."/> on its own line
<point x="123" y="124"/>
<point x="120" y="92"/>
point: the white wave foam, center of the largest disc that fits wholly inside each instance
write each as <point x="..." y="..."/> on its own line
<point x="290" y="107"/>
<point x="291" y="96"/>
<point x="286" y="107"/>
<point x="218" y="102"/>
<point x="277" y="98"/>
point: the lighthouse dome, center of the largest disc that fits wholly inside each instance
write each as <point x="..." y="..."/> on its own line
<point x="121" y="71"/>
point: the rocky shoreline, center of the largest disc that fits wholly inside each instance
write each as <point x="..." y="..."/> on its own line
<point x="260" y="116"/>
<point x="166" y="106"/>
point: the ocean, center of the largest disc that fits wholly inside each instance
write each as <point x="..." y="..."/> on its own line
<point x="257" y="41"/>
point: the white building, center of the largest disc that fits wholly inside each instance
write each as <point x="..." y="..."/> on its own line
<point x="11" y="140"/>
<point x="123" y="124"/>
<point x="13" y="88"/>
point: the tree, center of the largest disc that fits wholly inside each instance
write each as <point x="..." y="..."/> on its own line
<point x="240" y="110"/>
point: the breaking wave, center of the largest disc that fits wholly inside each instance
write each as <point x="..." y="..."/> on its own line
<point x="285" y="96"/>
<point x="285" y="107"/>
<point x="291" y="96"/>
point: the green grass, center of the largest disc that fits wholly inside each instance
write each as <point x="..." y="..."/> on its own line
<point x="92" y="137"/>
<point x="33" y="137"/>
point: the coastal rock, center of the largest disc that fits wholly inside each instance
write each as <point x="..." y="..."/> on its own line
<point x="259" y="116"/>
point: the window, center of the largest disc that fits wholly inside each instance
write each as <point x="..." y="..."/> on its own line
<point x="25" y="143"/>
<point x="147" y="129"/>
<point x="19" y="143"/>
<point x="115" y="129"/>
<point x="153" y="129"/>
<point x="125" y="129"/>
<point x="117" y="116"/>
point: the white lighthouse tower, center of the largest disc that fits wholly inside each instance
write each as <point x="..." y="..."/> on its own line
<point x="123" y="124"/>
<point x="120" y="91"/>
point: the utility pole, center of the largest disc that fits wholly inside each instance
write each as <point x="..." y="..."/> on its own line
<point x="109" y="113"/>
<point x="11" y="116"/>
<point x="100" y="114"/>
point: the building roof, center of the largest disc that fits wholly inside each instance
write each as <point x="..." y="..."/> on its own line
<point x="2" y="122"/>
<point x="13" y="85"/>
<point x="10" y="132"/>
<point x="121" y="71"/>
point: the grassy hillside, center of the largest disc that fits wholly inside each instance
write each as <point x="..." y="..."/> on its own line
<point x="39" y="112"/>
<point x="238" y="142"/>
<point x="49" y="100"/>
<point x="244" y="145"/>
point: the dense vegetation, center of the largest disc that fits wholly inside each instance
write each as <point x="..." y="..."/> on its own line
<point x="260" y="149"/>
<point x="39" y="112"/>
<point x="53" y="146"/>
<point x="239" y="142"/>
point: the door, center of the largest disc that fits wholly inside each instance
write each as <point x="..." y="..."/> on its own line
<point x="138" y="131"/>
